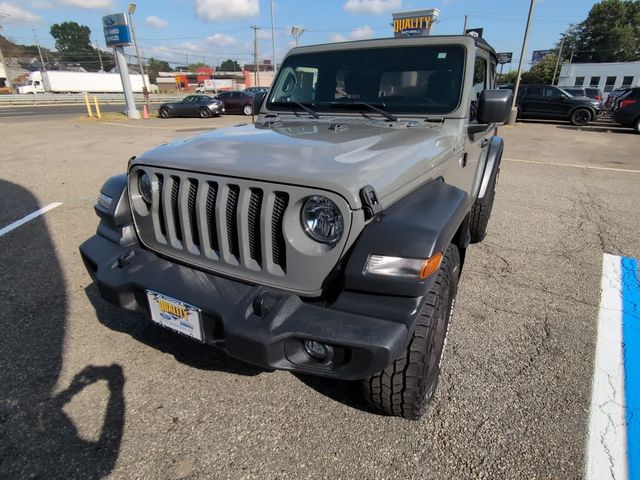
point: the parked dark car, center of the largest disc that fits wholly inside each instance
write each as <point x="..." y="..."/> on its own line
<point x="595" y="93"/>
<point x="579" y="92"/>
<point x="256" y="89"/>
<point x="613" y="98"/>
<point x="549" y="102"/>
<point x="237" y="102"/>
<point x="202" y="106"/>
<point x="628" y="112"/>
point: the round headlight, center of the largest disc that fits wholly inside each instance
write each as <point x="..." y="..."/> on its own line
<point x="144" y="187"/>
<point x="322" y="220"/>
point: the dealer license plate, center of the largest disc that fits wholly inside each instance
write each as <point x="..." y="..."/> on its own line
<point x="176" y="315"/>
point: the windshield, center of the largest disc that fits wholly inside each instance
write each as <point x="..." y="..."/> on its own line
<point x="420" y="79"/>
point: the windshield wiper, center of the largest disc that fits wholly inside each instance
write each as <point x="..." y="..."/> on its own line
<point x="303" y="106"/>
<point x="379" y="108"/>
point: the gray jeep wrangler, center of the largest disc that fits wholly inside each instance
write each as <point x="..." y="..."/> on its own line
<point x="328" y="237"/>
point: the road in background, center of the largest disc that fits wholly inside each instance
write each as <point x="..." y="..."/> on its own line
<point x="89" y="390"/>
<point x="12" y="113"/>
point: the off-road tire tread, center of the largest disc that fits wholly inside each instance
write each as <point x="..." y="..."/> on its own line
<point x="481" y="212"/>
<point x="399" y="389"/>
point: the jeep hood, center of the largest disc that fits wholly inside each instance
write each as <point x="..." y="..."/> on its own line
<point x="314" y="154"/>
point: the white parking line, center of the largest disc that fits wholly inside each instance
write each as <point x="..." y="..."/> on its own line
<point x="31" y="216"/>
<point x="572" y="165"/>
<point x="606" y="441"/>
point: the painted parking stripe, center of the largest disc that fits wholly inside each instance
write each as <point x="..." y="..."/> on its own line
<point x="28" y="218"/>
<point x="631" y="349"/>
<point x="613" y="438"/>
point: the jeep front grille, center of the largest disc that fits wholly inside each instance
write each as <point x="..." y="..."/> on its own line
<point x="243" y="228"/>
<point x="184" y="223"/>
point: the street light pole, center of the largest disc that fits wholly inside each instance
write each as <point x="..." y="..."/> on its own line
<point x="131" y="11"/>
<point x="514" y="110"/>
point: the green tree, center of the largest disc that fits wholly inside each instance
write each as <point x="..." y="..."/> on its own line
<point x="509" y="78"/>
<point x="230" y="65"/>
<point x="154" y="66"/>
<point x="542" y="72"/>
<point x="610" y="33"/>
<point x="74" y="46"/>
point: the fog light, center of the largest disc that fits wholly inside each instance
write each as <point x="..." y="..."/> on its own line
<point x="316" y="350"/>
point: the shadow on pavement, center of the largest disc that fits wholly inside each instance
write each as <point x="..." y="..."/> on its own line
<point x="184" y="350"/>
<point x="347" y="393"/>
<point x="37" y="438"/>
<point x="611" y="128"/>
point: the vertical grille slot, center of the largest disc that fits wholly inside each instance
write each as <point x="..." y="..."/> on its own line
<point x="255" y="206"/>
<point x="163" y="225"/>
<point x="232" y="220"/>
<point x="175" y="208"/>
<point x="277" y="236"/>
<point x="212" y="230"/>
<point x="191" y="208"/>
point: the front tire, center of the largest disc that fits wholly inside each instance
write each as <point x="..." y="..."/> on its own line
<point x="165" y="112"/>
<point x="580" y="117"/>
<point x="481" y="212"/>
<point x="205" y="112"/>
<point x="247" y="110"/>
<point x="407" y="385"/>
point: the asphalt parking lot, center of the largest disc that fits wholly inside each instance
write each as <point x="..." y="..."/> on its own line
<point x="88" y="391"/>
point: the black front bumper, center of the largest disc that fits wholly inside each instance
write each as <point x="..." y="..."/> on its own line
<point x="258" y="325"/>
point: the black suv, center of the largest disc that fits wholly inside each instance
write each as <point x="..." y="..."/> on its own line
<point x="628" y="112"/>
<point x="549" y="102"/>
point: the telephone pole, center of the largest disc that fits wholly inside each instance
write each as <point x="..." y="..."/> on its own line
<point x="256" y="74"/>
<point x="39" y="50"/>
<point x="514" y="111"/>
<point x="273" y="39"/>
<point x="555" y="70"/>
<point x="99" y="55"/>
<point x="464" y="28"/>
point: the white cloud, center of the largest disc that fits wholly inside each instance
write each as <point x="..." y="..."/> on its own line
<point x="377" y="7"/>
<point x="360" y="33"/>
<point x="190" y="47"/>
<point x="155" y="22"/>
<point x="221" y="39"/>
<point x="264" y="34"/>
<point x="41" y="5"/>
<point x="212" y="10"/>
<point x="93" y="4"/>
<point x="13" y="14"/>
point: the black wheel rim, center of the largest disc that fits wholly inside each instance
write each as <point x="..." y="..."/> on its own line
<point x="581" y="117"/>
<point x="164" y="113"/>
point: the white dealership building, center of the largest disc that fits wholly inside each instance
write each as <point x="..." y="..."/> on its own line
<point x="605" y="76"/>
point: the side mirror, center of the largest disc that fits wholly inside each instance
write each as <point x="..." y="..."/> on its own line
<point x="495" y="106"/>
<point x="258" y="100"/>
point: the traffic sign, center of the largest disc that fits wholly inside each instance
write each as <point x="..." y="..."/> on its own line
<point x="504" y="57"/>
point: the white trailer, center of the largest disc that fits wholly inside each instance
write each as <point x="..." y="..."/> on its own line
<point x="78" y="82"/>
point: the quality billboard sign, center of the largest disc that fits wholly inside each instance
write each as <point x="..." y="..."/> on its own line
<point x="116" y="30"/>
<point x="505" y="57"/>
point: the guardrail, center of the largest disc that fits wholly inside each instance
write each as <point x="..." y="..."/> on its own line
<point x="73" y="98"/>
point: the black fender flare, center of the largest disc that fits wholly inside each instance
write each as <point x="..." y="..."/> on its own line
<point x="418" y="226"/>
<point x="491" y="165"/>
<point x="116" y="223"/>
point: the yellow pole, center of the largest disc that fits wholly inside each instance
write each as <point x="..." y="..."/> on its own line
<point x="86" y="101"/>
<point x="95" y="101"/>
